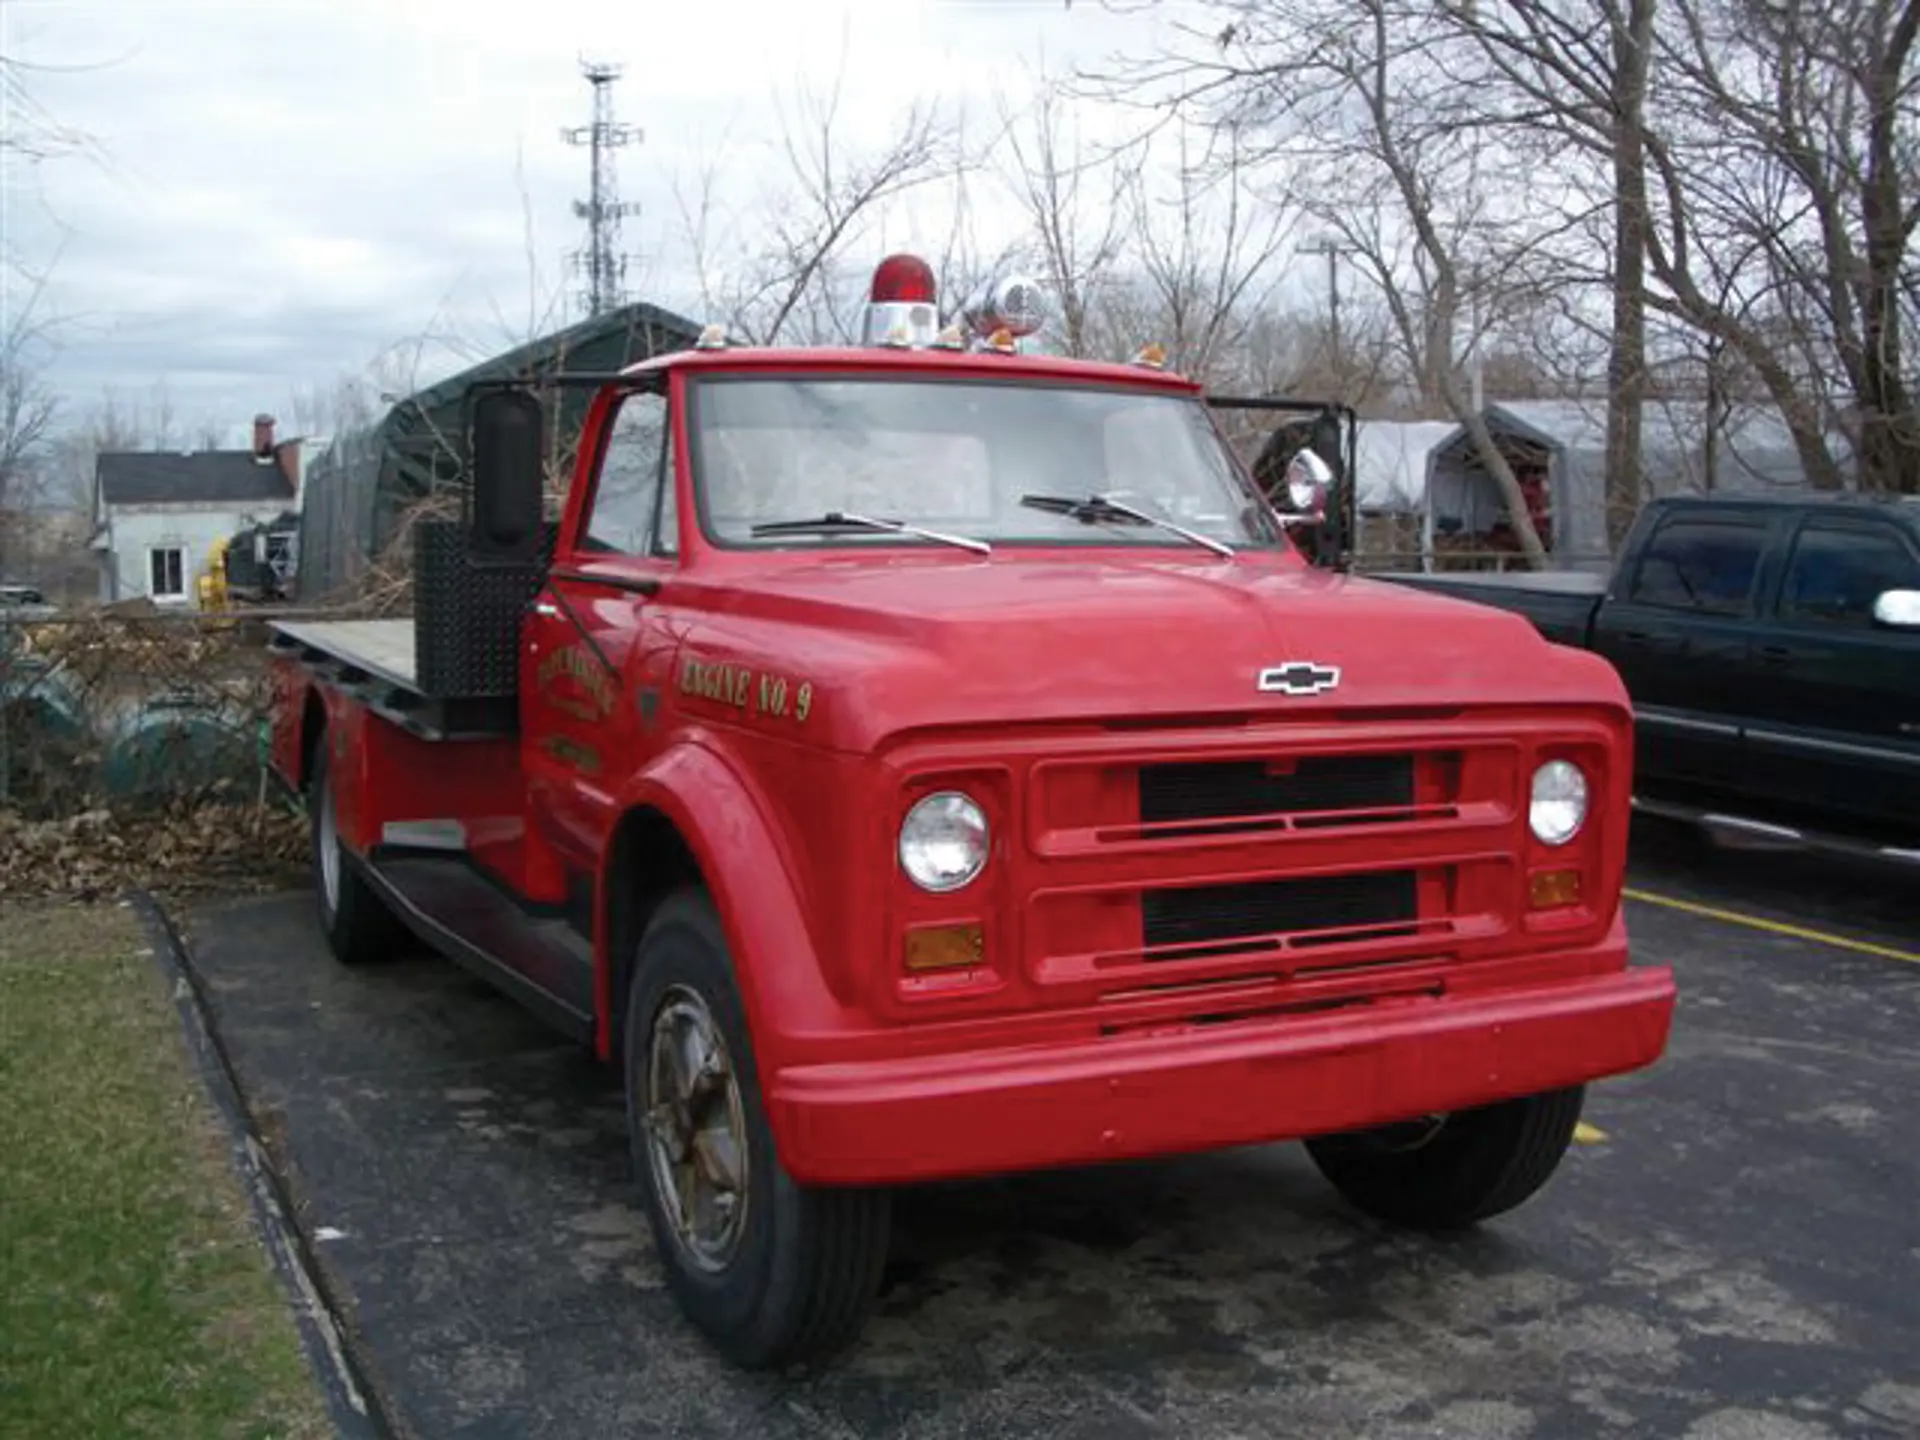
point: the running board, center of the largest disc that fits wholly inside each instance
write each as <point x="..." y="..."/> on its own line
<point x="544" y="964"/>
<point x="1748" y="833"/>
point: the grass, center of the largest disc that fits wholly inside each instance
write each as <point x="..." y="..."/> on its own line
<point x="135" y="1296"/>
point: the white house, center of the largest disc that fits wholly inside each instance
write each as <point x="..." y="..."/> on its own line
<point x="159" y="513"/>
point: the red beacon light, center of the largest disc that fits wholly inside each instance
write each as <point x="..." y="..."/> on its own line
<point x="902" y="279"/>
<point x="902" y="304"/>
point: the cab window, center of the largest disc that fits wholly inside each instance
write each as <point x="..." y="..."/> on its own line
<point x="1837" y="570"/>
<point x="1701" y="564"/>
<point x="632" y="511"/>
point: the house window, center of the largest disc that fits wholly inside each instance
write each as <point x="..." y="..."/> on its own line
<point x="167" y="573"/>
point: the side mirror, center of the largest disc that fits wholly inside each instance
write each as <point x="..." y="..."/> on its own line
<point x="1897" y="609"/>
<point x="508" y="510"/>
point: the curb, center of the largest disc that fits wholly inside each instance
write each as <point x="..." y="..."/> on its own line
<point x="352" y="1397"/>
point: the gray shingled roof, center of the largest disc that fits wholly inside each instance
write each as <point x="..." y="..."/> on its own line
<point x="211" y="477"/>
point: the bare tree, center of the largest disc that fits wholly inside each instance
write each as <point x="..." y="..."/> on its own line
<point x="965" y="264"/>
<point x="28" y="405"/>
<point x="785" y="281"/>
<point x="1075" y="202"/>
<point x="1573" y="74"/>
<point x="1788" y="162"/>
<point x="1208" y="248"/>
<point x="33" y="132"/>
<point x="1365" y="102"/>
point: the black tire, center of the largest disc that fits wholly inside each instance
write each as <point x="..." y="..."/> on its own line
<point x="1474" y="1165"/>
<point x="359" y="927"/>
<point x="793" y="1280"/>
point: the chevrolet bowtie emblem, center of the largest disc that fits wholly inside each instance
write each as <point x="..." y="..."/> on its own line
<point x="1299" y="677"/>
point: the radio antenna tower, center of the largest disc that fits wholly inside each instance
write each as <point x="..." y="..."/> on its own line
<point x="601" y="261"/>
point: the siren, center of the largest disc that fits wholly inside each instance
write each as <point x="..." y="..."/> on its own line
<point x="902" y="304"/>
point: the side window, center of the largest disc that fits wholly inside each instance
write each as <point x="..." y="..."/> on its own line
<point x="1702" y="565"/>
<point x="627" y="491"/>
<point x="666" y="530"/>
<point x="1836" y="570"/>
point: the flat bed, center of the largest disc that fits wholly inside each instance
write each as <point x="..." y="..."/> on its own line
<point x="380" y="647"/>
<point x="375" y="662"/>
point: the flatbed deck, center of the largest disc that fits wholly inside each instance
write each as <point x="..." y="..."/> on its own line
<point x="375" y="662"/>
<point x="380" y="647"/>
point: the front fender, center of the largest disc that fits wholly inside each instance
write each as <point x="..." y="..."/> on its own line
<point x="725" y="823"/>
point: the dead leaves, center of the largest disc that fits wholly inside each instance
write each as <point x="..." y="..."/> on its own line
<point x="97" y="855"/>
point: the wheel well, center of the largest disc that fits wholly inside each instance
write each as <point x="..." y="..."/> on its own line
<point x="313" y="724"/>
<point x="650" y="859"/>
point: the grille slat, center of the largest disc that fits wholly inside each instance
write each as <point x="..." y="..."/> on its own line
<point x="1203" y="913"/>
<point x="1251" y="789"/>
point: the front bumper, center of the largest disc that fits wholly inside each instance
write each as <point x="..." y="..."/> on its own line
<point x="1207" y="1087"/>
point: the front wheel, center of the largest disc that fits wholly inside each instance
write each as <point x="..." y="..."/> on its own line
<point x="1446" y="1172"/>
<point x="773" y="1272"/>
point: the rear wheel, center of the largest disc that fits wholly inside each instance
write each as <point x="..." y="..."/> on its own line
<point x="359" y="927"/>
<point x="772" y="1271"/>
<point x="1446" y="1172"/>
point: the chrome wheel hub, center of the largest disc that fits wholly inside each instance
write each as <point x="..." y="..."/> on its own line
<point x="696" y="1132"/>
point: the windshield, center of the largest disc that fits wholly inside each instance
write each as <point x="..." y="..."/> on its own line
<point x="959" y="457"/>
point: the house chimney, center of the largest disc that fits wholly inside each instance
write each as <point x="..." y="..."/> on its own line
<point x="263" y="437"/>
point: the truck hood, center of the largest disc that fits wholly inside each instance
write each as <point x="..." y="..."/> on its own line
<point x="909" y="644"/>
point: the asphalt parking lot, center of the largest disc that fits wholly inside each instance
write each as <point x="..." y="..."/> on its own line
<point x="1736" y="1252"/>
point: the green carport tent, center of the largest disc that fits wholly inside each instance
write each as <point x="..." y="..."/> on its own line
<point x="359" y="490"/>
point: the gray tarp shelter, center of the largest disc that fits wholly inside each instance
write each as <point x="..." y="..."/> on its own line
<point x="360" y="487"/>
<point x="1390" y="463"/>
<point x="1752" y="452"/>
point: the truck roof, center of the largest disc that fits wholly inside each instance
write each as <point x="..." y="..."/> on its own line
<point x="990" y="364"/>
<point x="1802" y="499"/>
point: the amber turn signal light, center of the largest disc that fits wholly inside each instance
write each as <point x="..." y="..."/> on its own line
<point x="944" y="947"/>
<point x="1550" y="889"/>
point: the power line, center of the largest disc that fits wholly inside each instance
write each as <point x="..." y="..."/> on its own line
<point x="601" y="260"/>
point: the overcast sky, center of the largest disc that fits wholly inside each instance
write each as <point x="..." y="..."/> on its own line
<point x="284" y="188"/>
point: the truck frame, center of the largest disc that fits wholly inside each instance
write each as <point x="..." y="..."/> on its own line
<point x="890" y="801"/>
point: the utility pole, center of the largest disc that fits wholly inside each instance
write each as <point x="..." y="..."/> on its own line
<point x="601" y="260"/>
<point x="1328" y="246"/>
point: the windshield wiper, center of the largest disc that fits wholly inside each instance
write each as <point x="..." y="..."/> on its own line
<point x="1093" y="508"/>
<point x="846" y="520"/>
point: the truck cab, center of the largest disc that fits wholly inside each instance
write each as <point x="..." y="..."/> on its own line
<point x="923" y="760"/>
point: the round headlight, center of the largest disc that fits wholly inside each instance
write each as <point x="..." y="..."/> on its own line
<point x="943" y="842"/>
<point x="1558" y="806"/>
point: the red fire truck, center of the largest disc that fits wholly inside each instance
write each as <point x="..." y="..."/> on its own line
<point x="923" y="759"/>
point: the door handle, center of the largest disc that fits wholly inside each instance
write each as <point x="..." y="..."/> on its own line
<point x="1647" y="640"/>
<point x="1775" y="654"/>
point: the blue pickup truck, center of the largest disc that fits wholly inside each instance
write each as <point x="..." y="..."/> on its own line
<point x="1772" y="650"/>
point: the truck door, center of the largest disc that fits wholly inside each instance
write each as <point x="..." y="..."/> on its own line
<point x="1677" y="629"/>
<point x="595" y="648"/>
<point x="1836" y="727"/>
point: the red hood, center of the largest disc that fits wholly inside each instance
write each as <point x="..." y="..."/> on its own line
<point x="900" y="645"/>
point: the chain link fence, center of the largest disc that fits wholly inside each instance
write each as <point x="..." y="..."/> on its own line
<point x="133" y="752"/>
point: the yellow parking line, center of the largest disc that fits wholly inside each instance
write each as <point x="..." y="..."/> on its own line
<point x="1774" y="927"/>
